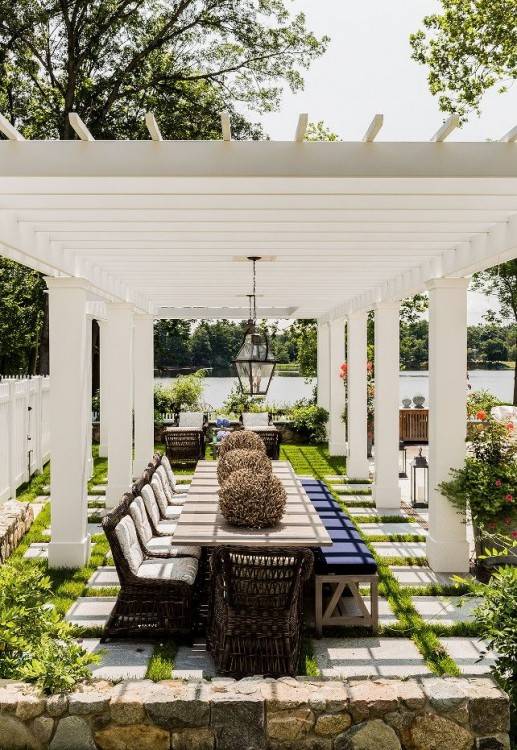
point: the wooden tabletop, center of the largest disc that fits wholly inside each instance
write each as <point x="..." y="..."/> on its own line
<point x="202" y="523"/>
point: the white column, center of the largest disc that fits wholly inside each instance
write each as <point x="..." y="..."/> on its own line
<point x="119" y="397"/>
<point x="357" y="415"/>
<point x="89" y="457"/>
<point x="144" y="394"/>
<point x="447" y="547"/>
<point x="323" y="362"/>
<point x="386" y="490"/>
<point x="103" y="368"/>
<point x="337" y="430"/>
<point x="69" y="400"/>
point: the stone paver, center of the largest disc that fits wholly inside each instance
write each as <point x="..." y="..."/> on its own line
<point x="99" y="488"/>
<point x="105" y="575"/>
<point x="37" y="508"/>
<point x="470" y="654"/>
<point x="193" y="662"/>
<point x="368" y="657"/>
<point x="375" y="512"/>
<point x="445" y="610"/>
<point x="412" y="575"/>
<point x="91" y="611"/>
<point x="42" y="499"/>
<point x="373" y="529"/>
<point x="400" y="549"/>
<point x="119" y="660"/>
<point x="37" y="551"/>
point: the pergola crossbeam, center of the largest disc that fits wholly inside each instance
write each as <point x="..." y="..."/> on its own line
<point x="79" y="127"/>
<point x="373" y="129"/>
<point x="446" y="129"/>
<point x="9" y="130"/>
<point x="152" y="127"/>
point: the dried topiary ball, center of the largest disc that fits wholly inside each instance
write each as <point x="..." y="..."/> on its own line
<point x="255" y="501"/>
<point x="241" y="439"/>
<point x="255" y="461"/>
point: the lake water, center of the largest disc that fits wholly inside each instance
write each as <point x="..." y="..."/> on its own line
<point x="287" y="390"/>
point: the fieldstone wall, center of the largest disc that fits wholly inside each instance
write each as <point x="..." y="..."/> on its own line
<point x="255" y="714"/>
<point x="15" y="520"/>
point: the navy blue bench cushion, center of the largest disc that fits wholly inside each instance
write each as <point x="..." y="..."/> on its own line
<point x="345" y="558"/>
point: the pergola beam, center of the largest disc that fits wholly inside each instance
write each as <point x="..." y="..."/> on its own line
<point x="79" y="127"/>
<point x="301" y="127"/>
<point x="510" y="136"/>
<point x="9" y="130"/>
<point x="226" y="127"/>
<point x="373" y="129"/>
<point x="152" y="127"/>
<point x="446" y="129"/>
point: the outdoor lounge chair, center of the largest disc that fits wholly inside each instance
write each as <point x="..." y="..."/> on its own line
<point x="185" y="442"/>
<point x="256" y="615"/>
<point x="155" y="594"/>
<point x="342" y="568"/>
<point x="260" y="422"/>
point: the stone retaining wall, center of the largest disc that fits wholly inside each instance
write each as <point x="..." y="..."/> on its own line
<point x="15" y="520"/>
<point x="255" y="714"/>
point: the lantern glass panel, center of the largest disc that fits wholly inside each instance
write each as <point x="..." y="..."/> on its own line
<point x="253" y="366"/>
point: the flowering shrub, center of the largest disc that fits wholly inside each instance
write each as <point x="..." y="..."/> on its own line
<point x="481" y="401"/>
<point x="370" y="388"/>
<point x="487" y="481"/>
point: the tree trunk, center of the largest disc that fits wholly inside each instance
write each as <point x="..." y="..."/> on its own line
<point x="43" y="354"/>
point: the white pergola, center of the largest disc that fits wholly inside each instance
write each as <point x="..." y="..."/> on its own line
<point x="129" y="231"/>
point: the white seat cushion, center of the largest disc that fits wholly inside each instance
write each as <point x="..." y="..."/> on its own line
<point x="125" y="532"/>
<point x="504" y="413"/>
<point x="255" y="419"/>
<point x="176" y="569"/>
<point x="173" y="512"/>
<point x="166" y="544"/>
<point x="191" y="420"/>
<point x="151" y="505"/>
<point x="169" y="492"/>
<point x="166" y="528"/>
<point x="161" y="498"/>
<point x="139" y="515"/>
<point x="181" y="489"/>
<point x="168" y="470"/>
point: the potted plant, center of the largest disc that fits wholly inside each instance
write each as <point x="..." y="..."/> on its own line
<point x="419" y="401"/>
<point x="406" y="403"/>
<point x="485" y="486"/>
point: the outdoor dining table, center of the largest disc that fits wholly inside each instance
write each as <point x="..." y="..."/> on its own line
<point x="202" y="523"/>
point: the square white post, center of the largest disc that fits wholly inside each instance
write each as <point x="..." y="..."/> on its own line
<point x="337" y="429"/>
<point x="69" y="403"/>
<point x="103" y="401"/>
<point x="447" y="546"/>
<point x="357" y="414"/>
<point x="144" y="394"/>
<point x="386" y="490"/>
<point x="323" y="361"/>
<point x="89" y="457"/>
<point x="119" y="395"/>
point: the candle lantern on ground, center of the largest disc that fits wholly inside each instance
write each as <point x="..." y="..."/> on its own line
<point x="419" y="481"/>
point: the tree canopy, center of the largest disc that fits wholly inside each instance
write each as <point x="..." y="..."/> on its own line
<point x="113" y="60"/>
<point x="469" y="48"/>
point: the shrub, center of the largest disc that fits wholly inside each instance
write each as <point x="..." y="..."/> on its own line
<point x="310" y="421"/>
<point x="35" y="643"/>
<point x="481" y="401"/>
<point x="238" y="402"/>
<point x="184" y="393"/>
<point x="486" y="483"/>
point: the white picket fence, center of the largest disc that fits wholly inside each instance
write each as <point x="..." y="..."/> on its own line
<point x="24" y="431"/>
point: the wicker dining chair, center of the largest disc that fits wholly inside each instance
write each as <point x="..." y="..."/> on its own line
<point x="262" y="425"/>
<point x="156" y="596"/>
<point x="256" y="610"/>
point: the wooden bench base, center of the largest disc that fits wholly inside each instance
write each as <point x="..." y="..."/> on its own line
<point x="351" y="610"/>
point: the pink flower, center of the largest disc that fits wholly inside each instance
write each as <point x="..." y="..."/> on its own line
<point x="369" y="366"/>
<point x="514" y="534"/>
<point x="498" y="483"/>
<point x="509" y="426"/>
<point x="508" y="498"/>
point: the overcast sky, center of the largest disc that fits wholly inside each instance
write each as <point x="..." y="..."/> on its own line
<point x="366" y="70"/>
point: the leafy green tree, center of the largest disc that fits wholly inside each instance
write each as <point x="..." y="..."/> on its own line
<point x="111" y="60"/>
<point x="22" y="316"/>
<point x="306" y="332"/>
<point x="201" y="348"/>
<point x="501" y="281"/>
<point x="172" y="343"/>
<point x="469" y="48"/>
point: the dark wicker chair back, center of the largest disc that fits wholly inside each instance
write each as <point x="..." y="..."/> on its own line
<point x="184" y="445"/>
<point x="262" y="578"/>
<point x="144" y="479"/>
<point x="109" y="523"/>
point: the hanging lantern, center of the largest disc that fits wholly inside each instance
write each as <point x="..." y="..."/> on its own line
<point x="419" y="481"/>
<point x="254" y="364"/>
<point x="402" y="460"/>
